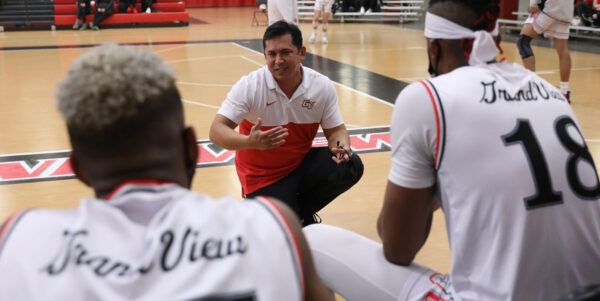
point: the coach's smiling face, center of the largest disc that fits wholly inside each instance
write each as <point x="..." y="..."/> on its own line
<point x="283" y="58"/>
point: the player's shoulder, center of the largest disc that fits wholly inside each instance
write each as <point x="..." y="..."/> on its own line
<point x="35" y="222"/>
<point x="414" y="93"/>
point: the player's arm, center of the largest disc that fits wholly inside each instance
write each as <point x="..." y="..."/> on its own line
<point x="338" y="141"/>
<point x="334" y="128"/>
<point x="404" y="222"/>
<point x="405" y="218"/>
<point x="314" y="289"/>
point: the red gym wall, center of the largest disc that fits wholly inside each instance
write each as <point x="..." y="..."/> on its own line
<point x="219" y="3"/>
<point x="507" y="7"/>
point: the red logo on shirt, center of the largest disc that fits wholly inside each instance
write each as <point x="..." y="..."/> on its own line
<point x="270" y="103"/>
<point x="308" y="104"/>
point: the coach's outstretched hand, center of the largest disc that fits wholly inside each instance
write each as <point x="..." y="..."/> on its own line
<point x="268" y="139"/>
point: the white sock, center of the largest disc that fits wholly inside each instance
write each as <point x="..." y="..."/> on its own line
<point x="564" y="87"/>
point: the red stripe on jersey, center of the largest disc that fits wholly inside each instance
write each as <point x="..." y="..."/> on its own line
<point x="259" y="168"/>
<point x="134" y="182"/>
<point x="437" y="122"/>
<point x="290" y="233"/>
<point x="7" y="225"/>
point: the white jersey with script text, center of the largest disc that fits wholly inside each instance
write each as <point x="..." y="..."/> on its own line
<point x="514" y="177"/>
<point x="151" y="242"/>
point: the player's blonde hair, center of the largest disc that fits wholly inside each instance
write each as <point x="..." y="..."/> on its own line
<point x="111" y="83"/>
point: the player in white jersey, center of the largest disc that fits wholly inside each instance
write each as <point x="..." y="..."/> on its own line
<point x="551" y="17"/>
<point x="146" y="236"/>
<point x="501" y="150"/>
<point x="325" y="7"/>
<point x="286" y="10"/>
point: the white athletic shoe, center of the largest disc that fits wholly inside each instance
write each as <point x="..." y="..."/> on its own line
<point x="312" y="38"/>
<point x="324" y="40"/>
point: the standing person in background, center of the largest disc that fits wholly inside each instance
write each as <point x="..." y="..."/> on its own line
<point x="145" y="235"/>
<point x="286" y="10"/>
<point x="325" y="7"/>
<point x="83" y="9"/>
<point x="551" y="17"/>
<point x="500" y="150"/>
<point x="279" y="109"/>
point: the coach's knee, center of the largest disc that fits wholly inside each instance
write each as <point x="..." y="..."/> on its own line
<point x="355" y="169"/>
<point x="524" y="46"/>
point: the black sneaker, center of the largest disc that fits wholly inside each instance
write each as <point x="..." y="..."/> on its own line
<point x="568" y="96"/>
<point x="313" y="219"/>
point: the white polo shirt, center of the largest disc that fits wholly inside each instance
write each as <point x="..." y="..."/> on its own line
<point x="151" y="241"/>
<point x="257" y="95"/>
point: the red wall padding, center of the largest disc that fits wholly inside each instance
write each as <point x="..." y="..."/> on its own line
<point x="219" y="3"/>
<point x="507" y="7"/>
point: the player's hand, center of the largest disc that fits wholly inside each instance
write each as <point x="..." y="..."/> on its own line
<point x="341" y="153"/>
<point x="272" y="138"/>
<point x="534" y="9"/>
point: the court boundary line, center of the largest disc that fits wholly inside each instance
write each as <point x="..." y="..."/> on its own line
<point x="335" y="82"/>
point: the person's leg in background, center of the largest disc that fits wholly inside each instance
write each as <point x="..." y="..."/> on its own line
<point x="315" y="22"/>
<point x="354" y="267"/>
<point x="323" y="180"/>
<point x="326" y="15"/>
<point x="83" y="8"/>
<point x="524" y="45"/>
<point x="564" y="62"/>
<point x="123" y="6"/>
<point x="273" y="12"/>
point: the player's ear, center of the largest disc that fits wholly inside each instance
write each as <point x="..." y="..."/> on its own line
<point x="190" y="145"/>
<point x="433" y="47"/>
<point x="74" y="162"/>
<point x="302" y="52"/>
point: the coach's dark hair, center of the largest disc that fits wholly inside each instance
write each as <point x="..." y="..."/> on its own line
<point x="487" y="10"/>
<point x="280" y="28"/>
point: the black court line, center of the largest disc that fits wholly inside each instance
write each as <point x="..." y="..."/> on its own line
<point x="377" y="85"/>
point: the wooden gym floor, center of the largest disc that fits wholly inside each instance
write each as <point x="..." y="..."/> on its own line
<point x="370" y="64"/>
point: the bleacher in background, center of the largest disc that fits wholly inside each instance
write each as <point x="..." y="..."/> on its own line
<point x="396" y="11"/>
<point x="62" y="13"/>
<point x="585" y="32"/>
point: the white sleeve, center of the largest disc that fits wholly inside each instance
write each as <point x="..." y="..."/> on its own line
<point x="413" y="133"/>
<point x="331" y="114"/>
<point x="237" y="104"/>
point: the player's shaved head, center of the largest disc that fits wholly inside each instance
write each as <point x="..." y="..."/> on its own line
<point x="124" y="115"/>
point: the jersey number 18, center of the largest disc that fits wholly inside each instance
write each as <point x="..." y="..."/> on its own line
<point x="545" y="195"/>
